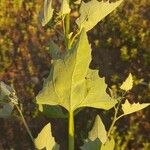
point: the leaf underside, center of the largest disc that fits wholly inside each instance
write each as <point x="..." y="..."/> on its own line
<point x="47" y="12"/>
<point x="131" y="108"/>
<point x="71" y="84"/>
<point x="45" y="140"/>
<point x="94" y="11"/>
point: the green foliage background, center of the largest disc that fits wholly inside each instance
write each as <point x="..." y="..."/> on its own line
<point x="121" y="44"/>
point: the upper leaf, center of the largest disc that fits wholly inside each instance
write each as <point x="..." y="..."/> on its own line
<point x="94" y="11"/>
<point x="128" y="83"/>
<point x="47" y="12"/>
<point x="98" y="131"/>
<point x="109" y="145"/>
<point x="65" y="9"/>
<point x="72" y="84"/>
<point x="131" y="108"/>
<point x="45" y="140"/>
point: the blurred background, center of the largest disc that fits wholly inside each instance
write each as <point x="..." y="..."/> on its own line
<point x="120" y="43"/>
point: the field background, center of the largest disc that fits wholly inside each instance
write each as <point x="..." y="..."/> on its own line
<point x="121" y="44"/>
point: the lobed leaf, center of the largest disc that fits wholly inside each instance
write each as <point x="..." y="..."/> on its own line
<point x="109" y="145"/>
<point x="94" y="11"/>
<point x="71" y="84"/>
<point x="128" y="83"/>
<point x="45" y="140"/>
<point x="98" y="131"/>
<point x="131" y="108"/>
<point x="47" y="12"/>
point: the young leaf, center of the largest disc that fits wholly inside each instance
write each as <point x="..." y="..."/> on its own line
<point x="47" y="12"/>
<point x="109" y="145"/>
<point x="65" y="9"/>
<point x="131" y="108"/>
<point x="128" y="83"/>
<point x="72" y="84"/>
<point x="94" y="11"/>
<point x="45" y="140"/>
<point x="91" y="145"/>
<point x="98" y="131"/>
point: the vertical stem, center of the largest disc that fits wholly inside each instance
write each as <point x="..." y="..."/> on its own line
<point x="71" y="131"/>
<point x="25" y="123"/>
<point x="67" y="28"/>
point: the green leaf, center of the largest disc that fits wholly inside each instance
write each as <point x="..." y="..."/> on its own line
<point x="94" y="11"/>
<point x="91" y="145"/>
<point x="47" y="12"/>
<point x="131" y="108"/>
<point x="53" y="111"/>
<point x="54" y="50"/>
<point x="45" y="140"/>
<point x="65" y="9"/>
<point x="98" y="131"/>
<point x="128" y="83"/>
<point x="110" y="145"/>
<point x="71" y="84"/>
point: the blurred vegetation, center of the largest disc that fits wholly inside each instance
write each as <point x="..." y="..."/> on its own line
<point x="121" y="44"/>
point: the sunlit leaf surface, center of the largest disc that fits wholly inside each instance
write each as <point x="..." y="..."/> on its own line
<point x="94" y="11"/>
<point x="72" y="84"/>
<point x="131" y="108"/>
<point x="45" y="140"/>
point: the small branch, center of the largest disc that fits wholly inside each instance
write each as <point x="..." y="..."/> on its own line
<point x="25" y="123"/>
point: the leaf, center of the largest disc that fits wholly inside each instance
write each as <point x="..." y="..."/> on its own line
<point x="7" y="94"/>
<point x="71" y="84"/>
<point x="91" y="145"/>
<point x="53" y="111"/>
<point x="94" y="11"/>
<point x="131" y="108"/>
<point x="77" y="2"/>
<point x="65" y="9"/>
<point x="54" y="50"/>
<point x="98" y="131"/>
<point x="128" y="83"/>
<point x="47" y="12"/>
<point x="46" y="140"/>
<point x="110" y="145"/>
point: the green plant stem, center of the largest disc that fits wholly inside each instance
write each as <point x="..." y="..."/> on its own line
<point x="67" y="29"/>
<point x="25" y="123"/>
<point x="114" y="120"/>
<point x="71" y="131"/>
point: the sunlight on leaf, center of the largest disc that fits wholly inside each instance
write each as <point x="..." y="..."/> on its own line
<point x="72" y="84"/>
<point x="65" y="9"/>
<point x="128" y="83"/>
<point x="109" y="145"/>
<point x="47" y="12"/>
<point x="46" y="140"/>
<point x="98" y="131"/>
<point x="94" y="11"/>
<point x="131" y="108"/>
